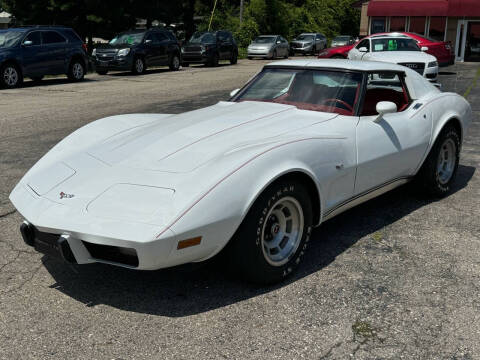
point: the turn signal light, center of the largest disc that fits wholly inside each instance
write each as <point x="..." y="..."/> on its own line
<point x="189" y="242"/>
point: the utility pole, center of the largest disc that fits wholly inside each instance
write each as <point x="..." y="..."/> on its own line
<point x="241" y="12"/>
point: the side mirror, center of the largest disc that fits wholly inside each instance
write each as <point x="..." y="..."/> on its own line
<point x="234" y="92"/>
<point x="278" y="41"/>
<point x="424" y="48"/>
<point x="148" y="41"/>
<point x="28" y="43"/>
<point x="385" y="107"/>
<point x="363" y="49"/>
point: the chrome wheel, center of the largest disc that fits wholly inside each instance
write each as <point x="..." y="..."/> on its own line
<point x="282" y="231"/>
<point x="176" y="62"/>
<point x="77" y="71"/>
<point x="446" y="161"/>
<point x="139" y="66"/>
<point x="10" y="76"/>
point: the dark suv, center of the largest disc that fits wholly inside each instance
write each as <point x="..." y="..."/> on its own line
<point x="136" y="50"/>
<point x="210" y="47"/>
<point x="38" y="51"/>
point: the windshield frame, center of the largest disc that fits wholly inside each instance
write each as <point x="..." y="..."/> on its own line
<point x="19" y="37"/>
<point x="357" y="106"/>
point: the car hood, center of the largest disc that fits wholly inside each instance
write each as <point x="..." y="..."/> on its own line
<point x="402" y="56"/>
<point x="190" y="140"/>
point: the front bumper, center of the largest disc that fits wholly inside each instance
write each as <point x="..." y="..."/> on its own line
<point x="303" y="50"/>
<point x="259" y="52"/>
<point x="119" y="64"/>
<point x="431" y="73"/>
<point x="195" y="58"/>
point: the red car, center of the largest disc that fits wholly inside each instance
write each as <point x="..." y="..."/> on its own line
<point x="442" y="50"/>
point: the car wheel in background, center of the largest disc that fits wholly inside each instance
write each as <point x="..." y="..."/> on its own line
<point x="214" y="60"/>
<point x="273" y="237"/>
<point x="439" y="170"/>
<point x="234" y="58"/>
<point x="250" y="57"/>
<point x="102" y="72"/>
<point x="76" y="70"/>
<point x="11" y="76"/>
<point x="174" y="62"/>
<point x="138" y="66"/>
<point x="274" y="54"/>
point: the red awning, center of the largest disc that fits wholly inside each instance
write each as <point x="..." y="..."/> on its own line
<point x="463" y="8"/>
<point x="409" y="7"/>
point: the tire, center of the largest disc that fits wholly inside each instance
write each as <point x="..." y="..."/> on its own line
<point x="250" y="57"/>
<point x="102" y="72"/>
<point x="174" y="62"/>
<point x="286" y="55"/>
<point x="138" y="66"/>
<point x="274" y="55"/>
<point x="76" y="70"/>
<point x="264" y="227"/>
<point x="439" y="170"/>
<point x="37" y="79"/>
<point x="234" y="58"/>
<point x="10" y="76"/>
<point x="214" y="60"/>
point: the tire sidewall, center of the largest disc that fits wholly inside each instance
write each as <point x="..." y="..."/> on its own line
<point x="449" y="133"/>
<point x="135" y="71"/>
<point x="248" y="239"/>
<point x="71" y="74"/>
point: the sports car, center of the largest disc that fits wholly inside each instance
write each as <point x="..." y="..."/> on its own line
<point x="247" y="178"/>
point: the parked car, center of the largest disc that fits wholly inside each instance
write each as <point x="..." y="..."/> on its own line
<point x="342" y="40"/>
<point x="339" y="52"/>
<point x="136" y="50"/>
<point x="442" y="50"/>
<point x="399" y="49"/>
<point x="308" y="43"/>
<point x="268" y="46"/>
<point x="37" y="51"/>
<point x="209" y="47"/>
<point x="149" y="191"/>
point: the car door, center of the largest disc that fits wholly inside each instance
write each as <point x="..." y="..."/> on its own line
<point x="34" y="54"/>
<point x="223" y="45"/>
<point x="355" y="54"/>
<point x="284" y="45"/>
<point x="162" y="45"/>
<point x="389" y="147"/>
<point x="151" y="49"/>
<point x="55" y="46"/>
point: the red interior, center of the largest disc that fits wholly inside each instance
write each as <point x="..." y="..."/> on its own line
<point x="373" y="96"/>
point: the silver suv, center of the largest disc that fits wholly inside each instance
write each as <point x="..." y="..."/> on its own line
<point x="308" y="43"/>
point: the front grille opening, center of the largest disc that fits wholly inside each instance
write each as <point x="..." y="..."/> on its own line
<point x="117" y="254"/>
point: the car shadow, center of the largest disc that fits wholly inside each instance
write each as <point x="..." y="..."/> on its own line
<point x="194" y="289"/>
<point x="52" y="81"/>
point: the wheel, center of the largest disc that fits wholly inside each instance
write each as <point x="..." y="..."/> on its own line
<point x="37" y="79"/>
<point x="250" y="57"/>
<point x="440" y="167"/>
<point x="76" y="70"/>
<point x="174" y="62"/>
<point x="138" y="66"/>
<point x="102" y="72"/>
<point x="274" y="55"/>
<point x="286" y="55"/>
<point x="270" y="242"/>
<point x="214" y="60"/>
<point x="185" y="64"/>
<point x="11" y="76"/>
<point x="234" y="58"/>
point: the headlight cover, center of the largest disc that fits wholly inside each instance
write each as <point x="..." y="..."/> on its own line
<point x="432" y="64"/>
<point x="94" y="52"/>
<point x="123" y="52"/>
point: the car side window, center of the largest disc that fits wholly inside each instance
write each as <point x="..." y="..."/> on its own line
<point x="385" y="86"/>
<point x="52" y="37"/>
<point x="161" y="36"/>
<point x="221" y="36"/>
<point x="151" y="38"/>
<point x="34" y="37"/>
<point x="364" y="43"/>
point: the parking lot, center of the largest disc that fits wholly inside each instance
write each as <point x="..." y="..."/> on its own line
<point x="397" y="277"/>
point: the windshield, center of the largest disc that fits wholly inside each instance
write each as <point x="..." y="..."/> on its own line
<point x="398" y="44"/>
<point x="315" y="90"/>
<point x="305" y="37"/>
<point x="341" y="38"/>
<point x="264" y="40"/>
<point x="205" y="38"/>
<point x="9" y="38"/>
<point x="128" y="39"/>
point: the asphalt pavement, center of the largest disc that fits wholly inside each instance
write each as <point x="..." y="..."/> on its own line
<point x="395" y="278"/>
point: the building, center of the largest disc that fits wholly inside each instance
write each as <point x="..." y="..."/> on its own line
<point x="456" y="21"/>
<point x="5" y="19"/>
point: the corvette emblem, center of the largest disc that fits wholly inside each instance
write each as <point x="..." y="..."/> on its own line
<point x="66" y="196"/>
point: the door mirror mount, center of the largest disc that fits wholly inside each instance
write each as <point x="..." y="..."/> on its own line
<point x="385" y="107"/>
<point x="234" y="92"/>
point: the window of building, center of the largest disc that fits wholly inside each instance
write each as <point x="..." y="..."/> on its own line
<point x="417" y="25"/>
<point x="397" y="23"/>
<point x="437" y="27"/>
<point x="378" y="25"/>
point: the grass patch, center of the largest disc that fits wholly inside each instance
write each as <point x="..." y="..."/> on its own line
<point x="473" y="84"/>
<point x="242" y="53"/>
<point x="363" y="328"/>
<point x="377" y="236"/>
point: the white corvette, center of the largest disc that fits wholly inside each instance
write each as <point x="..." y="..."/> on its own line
<point x="299" y="143"/>
<point x="399" y="49"/>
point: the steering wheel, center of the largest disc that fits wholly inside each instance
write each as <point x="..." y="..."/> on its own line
<point x="338" y="101"/>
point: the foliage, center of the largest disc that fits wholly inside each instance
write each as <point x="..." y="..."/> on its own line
<point x="104" y="18"/>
